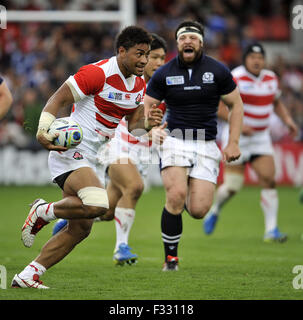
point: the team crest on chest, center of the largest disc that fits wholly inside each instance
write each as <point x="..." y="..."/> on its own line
<point x="208" y="77"/>
<point x="77" y="156"/>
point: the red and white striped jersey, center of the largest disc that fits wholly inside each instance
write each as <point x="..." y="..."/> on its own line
<point x="103" y="96"/>
<point x="258" y="95"/>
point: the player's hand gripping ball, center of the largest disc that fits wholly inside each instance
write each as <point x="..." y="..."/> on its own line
<point x="70" y="132"/>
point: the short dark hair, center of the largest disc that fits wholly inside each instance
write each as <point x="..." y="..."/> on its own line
<point x="131" y="36"/>
<point x="158" y="42"/>
<point x="253" y="48"/>
<point x="189" y="23"/>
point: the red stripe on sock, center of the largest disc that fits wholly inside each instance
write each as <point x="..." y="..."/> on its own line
<point x="118" y="221"/>
<point x="264" y="201"/>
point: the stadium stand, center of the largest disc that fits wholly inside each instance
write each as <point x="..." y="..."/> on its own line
<point x="35" y="58"/>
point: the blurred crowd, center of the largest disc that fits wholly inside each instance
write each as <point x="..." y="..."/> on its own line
<point x="36" y="58"/>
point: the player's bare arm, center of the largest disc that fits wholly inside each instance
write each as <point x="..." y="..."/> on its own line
<point x="234" y="102"/>
<point x="223" y="111"/>
<point x="223" y="114"/>
<point x="6" y="99"/>
<point x="136" y="121"/>
<point x="284" y="115"/>
<point x="60" y="99"/>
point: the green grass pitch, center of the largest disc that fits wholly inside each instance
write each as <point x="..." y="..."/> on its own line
<point x="233" y="263"/>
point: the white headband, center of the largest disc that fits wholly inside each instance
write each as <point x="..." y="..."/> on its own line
<point x="190" y="30"/>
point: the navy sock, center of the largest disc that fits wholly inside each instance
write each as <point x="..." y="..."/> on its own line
<point x="171" y="227"/>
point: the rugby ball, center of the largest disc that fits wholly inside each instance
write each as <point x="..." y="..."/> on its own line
<point x="70" y="132"/>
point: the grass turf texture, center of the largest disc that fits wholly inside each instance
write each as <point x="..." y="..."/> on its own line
<point x="233" y="263"/>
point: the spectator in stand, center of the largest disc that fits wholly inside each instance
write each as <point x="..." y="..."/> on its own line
<point x="6" y="98"/>
<point x="61" y="48"/>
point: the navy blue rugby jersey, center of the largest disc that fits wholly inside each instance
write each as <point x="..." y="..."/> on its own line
<point x="192" y="97"/>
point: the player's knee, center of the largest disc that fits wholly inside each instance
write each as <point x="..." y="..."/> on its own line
<point x="108" y="216"/>
<point x="233" y="182"/>
<point x="95" y="201"/>
<point x="134" y="190"/>
<point x="176" y="198"/>
<point x="94" y="211"/>
<point x="178" y="194"/>
<point x="267" y="182"/>
<point x="198" y="212"/>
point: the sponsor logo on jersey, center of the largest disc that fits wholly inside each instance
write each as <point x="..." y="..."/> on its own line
<point x="174" y="80"/>
<point x="115" y="95"/>
<point x="192" y="88"/>
<point x="208" y="77"/>
<point x="245" y="87"/>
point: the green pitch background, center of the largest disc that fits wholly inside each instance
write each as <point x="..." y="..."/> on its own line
<point x="233" y="263"/>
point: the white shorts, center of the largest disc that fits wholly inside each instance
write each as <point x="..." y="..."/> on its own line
<point x="257" y="144"/>
<point x="84" y="155"/>
<point x="118" y="149"/>
<point x="202" y="158"/>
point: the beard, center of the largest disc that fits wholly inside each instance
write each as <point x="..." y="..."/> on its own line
<point x="189" y="56"/>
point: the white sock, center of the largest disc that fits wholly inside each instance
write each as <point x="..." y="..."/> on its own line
<point x="270" y="205"/>
<point x="46" y="211"/>
<point x="32" y="269"/>
<point x="124" y="219"/>
<point x="222" y="196"/>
